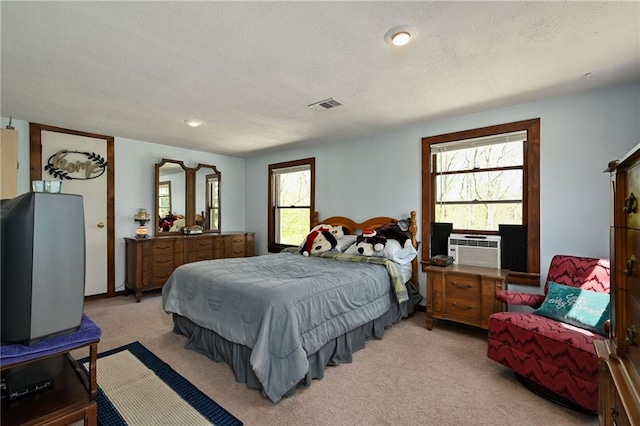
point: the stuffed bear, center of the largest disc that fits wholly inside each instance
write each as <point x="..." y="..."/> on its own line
<point x="393" y="231"/>
<point x="318" y="241"/>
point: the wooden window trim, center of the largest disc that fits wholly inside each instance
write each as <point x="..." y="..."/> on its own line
<point x="531" y="189"/>
<point x="272" y="246"/>
<point x="168" y="184"/>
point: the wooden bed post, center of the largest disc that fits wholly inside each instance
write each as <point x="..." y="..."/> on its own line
<point x="413" y="228"/>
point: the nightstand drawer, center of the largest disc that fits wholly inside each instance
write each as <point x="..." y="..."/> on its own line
<point x="467" y="309"/>
<point x="462" y="285"/>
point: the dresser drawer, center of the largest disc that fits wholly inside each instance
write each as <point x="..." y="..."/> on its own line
<point x="203" y="255"/>
<point x="464" y="285"/>
<point x="466" y="309"/>
<point x="164" y="260"/>
<point x="162" y="248"/>
<point x="237" y="251"/>
<point x="200" y="244"/>
<point x="160" y="275"/>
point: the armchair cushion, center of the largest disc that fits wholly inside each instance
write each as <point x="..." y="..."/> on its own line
<point x="572" y="305"/>
<point x="558" y="356"/>
<point x="520" y="298"/>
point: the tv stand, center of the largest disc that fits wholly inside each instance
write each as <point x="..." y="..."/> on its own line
<point x="73" y="395"/>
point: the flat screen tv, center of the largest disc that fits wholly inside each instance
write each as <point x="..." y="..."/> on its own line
<point x="43" y="266"/>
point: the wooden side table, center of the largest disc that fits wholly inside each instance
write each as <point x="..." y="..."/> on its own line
<point x="462" y="293"/>
<point x="72" y="397"/>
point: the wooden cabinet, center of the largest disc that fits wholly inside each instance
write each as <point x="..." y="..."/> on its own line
<point x="8" y="163"/>
<point x="71" y="399"/>
<point x="463" y="293"/>
<point x="150" y="261"/>
<point x="619" y="356"/>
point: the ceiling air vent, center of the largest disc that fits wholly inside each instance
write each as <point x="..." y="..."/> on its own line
<point x="326" y="104"/>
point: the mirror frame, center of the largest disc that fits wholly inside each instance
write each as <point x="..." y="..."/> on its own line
<point x="190" y="196"/>
<point x="157" y="200"/>
<point x="195" y="194"/>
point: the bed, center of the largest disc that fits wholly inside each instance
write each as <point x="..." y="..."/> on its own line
<point x="279" y="320"/>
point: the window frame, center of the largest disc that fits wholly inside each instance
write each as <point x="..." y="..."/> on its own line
<point x="530" y="196"/>
<point x="213" y="210"/>
<point x="166" y="183"/>
<point x="272" y="246"/>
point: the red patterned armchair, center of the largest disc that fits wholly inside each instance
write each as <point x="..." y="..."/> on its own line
<point x="545" y="353"/>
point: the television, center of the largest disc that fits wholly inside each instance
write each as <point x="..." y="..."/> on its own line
<point x="43" y="266"/>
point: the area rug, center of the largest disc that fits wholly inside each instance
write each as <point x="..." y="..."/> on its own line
<point x="135" y="387"/>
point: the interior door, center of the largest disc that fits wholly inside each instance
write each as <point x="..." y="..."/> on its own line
<point x="81" y="162"/>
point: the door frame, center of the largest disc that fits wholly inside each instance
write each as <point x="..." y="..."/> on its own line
<point x="35" y="160"/>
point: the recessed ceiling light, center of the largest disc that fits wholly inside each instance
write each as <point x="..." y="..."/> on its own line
<point x="400" y="36"/>
<point x="193" y="122"/>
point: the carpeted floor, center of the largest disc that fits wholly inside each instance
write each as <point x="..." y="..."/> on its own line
<point x="412" y="376"/>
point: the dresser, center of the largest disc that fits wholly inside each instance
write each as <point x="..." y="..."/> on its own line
<point x="619" y="356"/>
<point x="150" y="261"/>
<point x="465" y="294"/>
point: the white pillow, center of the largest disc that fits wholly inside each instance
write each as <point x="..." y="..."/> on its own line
<point x="345" y="242"/>
<point x="394" y="251"/>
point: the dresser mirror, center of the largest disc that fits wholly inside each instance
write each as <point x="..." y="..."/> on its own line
<point x="171" y="196"/>
<point x="186" y="196"/>
<point x="207" y="193"/>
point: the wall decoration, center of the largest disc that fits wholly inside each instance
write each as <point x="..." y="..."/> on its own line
<point x="78" y="165"/>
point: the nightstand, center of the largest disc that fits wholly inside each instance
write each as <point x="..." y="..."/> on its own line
<point x="464" y="294"/>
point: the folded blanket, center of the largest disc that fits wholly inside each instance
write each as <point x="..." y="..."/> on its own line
<point x="88" y="332"/>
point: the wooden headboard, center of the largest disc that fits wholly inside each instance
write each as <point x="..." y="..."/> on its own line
<point x="375" y="222"/>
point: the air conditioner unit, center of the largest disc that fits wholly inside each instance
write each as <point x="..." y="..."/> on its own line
<point x="475" y="250"/>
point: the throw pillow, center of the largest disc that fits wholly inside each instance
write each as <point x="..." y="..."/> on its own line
<point x="572" y="305"/>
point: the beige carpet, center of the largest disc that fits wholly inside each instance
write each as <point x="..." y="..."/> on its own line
<point x="412" y="376"/>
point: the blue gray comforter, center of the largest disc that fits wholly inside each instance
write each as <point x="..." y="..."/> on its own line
<point x="282" y="306"/>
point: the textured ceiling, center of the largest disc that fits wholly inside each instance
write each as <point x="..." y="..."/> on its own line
<point x="248" y="70"/>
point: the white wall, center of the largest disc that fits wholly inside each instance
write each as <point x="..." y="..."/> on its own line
<point x="135" y="184"/>
<point x="380" y="175"/>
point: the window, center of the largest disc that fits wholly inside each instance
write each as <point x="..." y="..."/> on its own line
<point x="212" y="202"/>
<point x="478" y="182"/>
<point x="164" y="198"/>
<point x="481" y="178"/>
<point x="291" y="202"/>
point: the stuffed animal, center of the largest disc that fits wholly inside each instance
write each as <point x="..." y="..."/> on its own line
<point x="337" y="231"/>
<point x="369" y="242"/>
<point x="318" y="241"/>
<point x="392" y="231"/>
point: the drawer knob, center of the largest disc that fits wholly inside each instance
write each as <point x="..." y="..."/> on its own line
<point x="466" y="308"/>
<point x="630" y="204"/>
<point x="630" y="265"/>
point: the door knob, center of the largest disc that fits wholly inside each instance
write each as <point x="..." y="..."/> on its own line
<point x="100" y="224"/>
